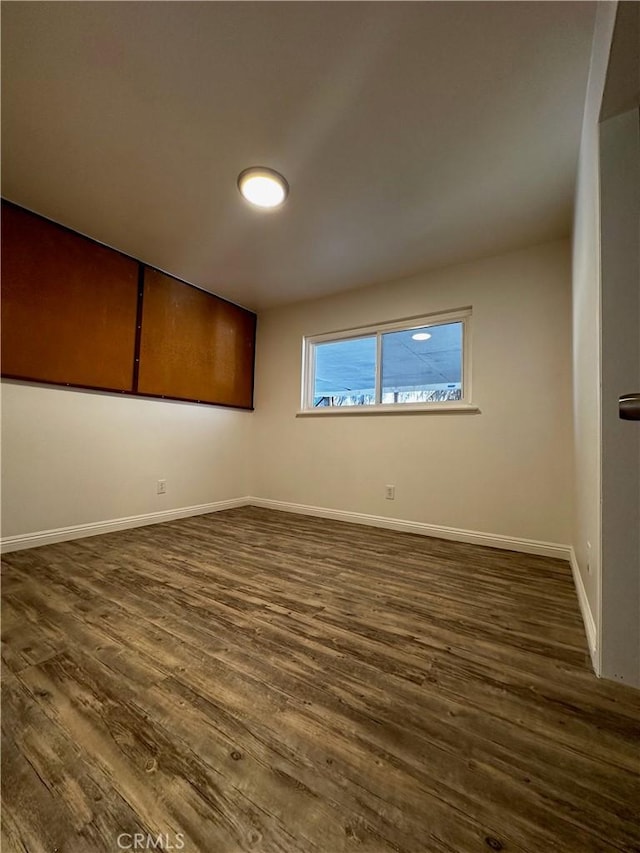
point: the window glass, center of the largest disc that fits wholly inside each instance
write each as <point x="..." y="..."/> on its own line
<point x="345" y="373"/>
<point x="417" y="364"/>
<point x="422" y="365"/>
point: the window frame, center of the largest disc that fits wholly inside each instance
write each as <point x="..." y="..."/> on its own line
<point x="309" y="343"/>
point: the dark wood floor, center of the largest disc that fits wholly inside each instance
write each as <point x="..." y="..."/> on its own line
<point x="258" y="681"/>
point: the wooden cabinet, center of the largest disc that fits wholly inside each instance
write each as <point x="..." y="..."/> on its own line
<point x="68" y="306"/>
<point x="75" y="312"/>
<point x="194" y="346"/>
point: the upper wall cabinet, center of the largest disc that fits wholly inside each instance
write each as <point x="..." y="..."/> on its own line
<point x="75" y="312"/>
<point x="194" y="346"/>
<point x="68" y="306"/>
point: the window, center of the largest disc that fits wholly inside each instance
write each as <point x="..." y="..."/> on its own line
<point x="422" y="363"/>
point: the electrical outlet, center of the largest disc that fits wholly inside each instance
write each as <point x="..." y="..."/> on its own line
<point x="162" y="487"/>
<point x="390" y="493"/>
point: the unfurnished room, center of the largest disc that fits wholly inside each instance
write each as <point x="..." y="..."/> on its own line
<point x="320" y="442"/>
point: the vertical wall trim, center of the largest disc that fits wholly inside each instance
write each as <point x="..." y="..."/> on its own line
<point x="587" y="615"/>
<point x="136" y="348"/>
<point x="253" y="367"/>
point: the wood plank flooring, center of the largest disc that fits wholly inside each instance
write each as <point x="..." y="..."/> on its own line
<point x="258" y="682"/>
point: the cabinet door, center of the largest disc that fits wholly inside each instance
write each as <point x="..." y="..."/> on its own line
<point x="194" y="346"/>
<point x="68" y="306"/>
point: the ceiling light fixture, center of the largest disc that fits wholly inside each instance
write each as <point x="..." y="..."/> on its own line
<point x="263" y="187"/>
<point x="421" y="336"/>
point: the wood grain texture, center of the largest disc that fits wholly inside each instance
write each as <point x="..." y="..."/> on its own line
<point x="194" y="346"/>
<point x="68" y="305"/>
<point x="258" y="681"/>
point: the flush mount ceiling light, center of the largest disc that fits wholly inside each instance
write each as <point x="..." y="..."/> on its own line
<point x="263" y="187"/>
<point x="421" y="336"/>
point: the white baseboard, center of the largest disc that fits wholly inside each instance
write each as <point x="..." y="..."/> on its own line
<point x="587" y="615"/>
<point x="471" y="537"/>
<point x="79" y="531"/>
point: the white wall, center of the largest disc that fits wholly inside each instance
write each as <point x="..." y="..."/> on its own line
<point x="74" y="457"/>
<point x="506" y="471"/>
<point x="586" y="328"/>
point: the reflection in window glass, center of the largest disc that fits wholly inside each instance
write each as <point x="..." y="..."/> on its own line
<point x="345" y="373"/>
<point x="422" y="365"/>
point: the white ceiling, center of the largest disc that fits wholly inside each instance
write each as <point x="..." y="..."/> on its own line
<point x="413" y="135"/>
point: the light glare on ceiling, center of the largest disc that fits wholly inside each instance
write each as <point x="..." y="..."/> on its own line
<point x="263" y="187"/>
<point x="421" y="336"/>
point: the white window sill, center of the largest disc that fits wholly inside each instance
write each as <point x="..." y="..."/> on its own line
<point x="391" y="409"/>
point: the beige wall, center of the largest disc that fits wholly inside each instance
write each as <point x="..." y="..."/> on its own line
<point x="506" y="471"/>
<point x="74" y="457"/>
